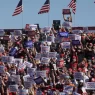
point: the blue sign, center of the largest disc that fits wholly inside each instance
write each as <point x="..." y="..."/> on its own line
<point x="63" y="34"/>
<point x="12" y="51"/>
<point x="75" y="42"/>
<point x="29" y="44"/>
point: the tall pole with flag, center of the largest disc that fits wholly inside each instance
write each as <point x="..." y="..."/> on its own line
<point x="72" y="5"/>
<point x="18" y="10"/>
<point x="45" y="9"/>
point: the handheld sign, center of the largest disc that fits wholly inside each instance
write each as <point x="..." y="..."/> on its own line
<point x="66" y="11"/>
<point x="63" y="34"/>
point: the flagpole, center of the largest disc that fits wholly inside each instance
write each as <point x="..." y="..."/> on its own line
<point x="48" y="18"/>
<point x="22" y="14"/>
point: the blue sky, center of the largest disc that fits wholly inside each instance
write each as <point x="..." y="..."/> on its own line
<point x="85" y="14"/>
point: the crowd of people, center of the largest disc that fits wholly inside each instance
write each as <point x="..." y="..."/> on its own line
<point x="52" y="61"/>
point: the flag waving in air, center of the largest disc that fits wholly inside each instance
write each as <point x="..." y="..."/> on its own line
<point x="45" y="8"/>
<point x="18" y="9"/>
<point x="73" y="6"/>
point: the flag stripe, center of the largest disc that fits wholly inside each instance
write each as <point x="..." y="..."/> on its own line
<point x="45" y="8"/>
<point x="18" y="9"/>
<point x="72" y="5"/>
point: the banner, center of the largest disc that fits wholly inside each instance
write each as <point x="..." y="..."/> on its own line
<point x="65" y="45"/>
<point x="63" y="34"/>
<point x="66" y="11"/>
<point x="90" y="85"/>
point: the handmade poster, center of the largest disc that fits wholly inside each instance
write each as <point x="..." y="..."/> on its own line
<point x="52" y="54"/>
<point x="90" y="85"/>
<point x="78" y="75"/>
<point x="41" y="73"/>
<point x="45" y="60"/>
<point x="65" y="45"/>
<point x="45" y="49"/>
<point x="39" y="80"/>
<point x="13" y="88"/>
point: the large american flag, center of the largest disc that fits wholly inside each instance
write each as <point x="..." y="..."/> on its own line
<point x="45" y="8"/>
<point x="18" y="9"/>
<point x="73" y="6"/>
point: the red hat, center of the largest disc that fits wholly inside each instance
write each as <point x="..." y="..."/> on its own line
<point x="74" y="56"/>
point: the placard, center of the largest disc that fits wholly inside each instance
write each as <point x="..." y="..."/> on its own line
<point x="75" y="42"/>
<point x="2" y="69"/>
<point x="77" y="31"/>
<point x="31" y="71"/>
<point x="50" y="38"/>
<point x="38" y="55"/>
<point x="62" y="93"/>
<point x="17" y="32"/>
<point x="13" y="51"/>
<point x="66" y="11"/>
<point x="2" y="32"/>
<point x="45" y="54"/>
<point x="1" y="49"/>
<point x="39" y="80"/>
<point x="90" y="85"/>
<point x="33" y="27"/>
<point x="46" y="29"/>
<point x="52" y="54"/>
<point x="72" y="36"/>
<point x="78" y="75"/>
<point x="45" y="60"/>
<point x="41" y="73"/>
<point x="65" y="45"/>
<point x="63" y="34"/>
<point x="22" y="92"/>
<point x="27" y="84"/>
<point x="28" y="44"/>
<point x="78" y="37"/>
<point x="45" y="49"/>
<point x="18" y="60"/>
<point x="13" y="88"/>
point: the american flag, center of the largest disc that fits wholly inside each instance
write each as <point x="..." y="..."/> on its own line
<point x="18" y="9"/>
<point x="45" y="8"/>
<point x="73" y="6"/>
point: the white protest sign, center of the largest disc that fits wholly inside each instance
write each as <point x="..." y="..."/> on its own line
<point x="65" y="45"/>
<point x="27" y="84"/>
<point x="47" y="29"/>
<point x="18" y="60"/>
<point x="41" y="73"/>
<point x="44" y="54"/>
<point x="38" y="55"/>
<point x="15" y="78"/>
<point x="28" y="64"/>
<point x="45" y="49"/>
<point x="30" y="79"/>
<point x="52" y="54"/>
<point x="33" y="27"/>
<point x="22" y="66"/>
<point x="13" y="88"/>
<point x="17" y="32"/>
<point x="2" y="69"/>
<point x="45" y="60"/>
<point x="90" y="85"/>
<point x="2" y="32"/>
<point x="78" y="37"/>
<point x="78" y="75"/>
<point x="31" y="71"/>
